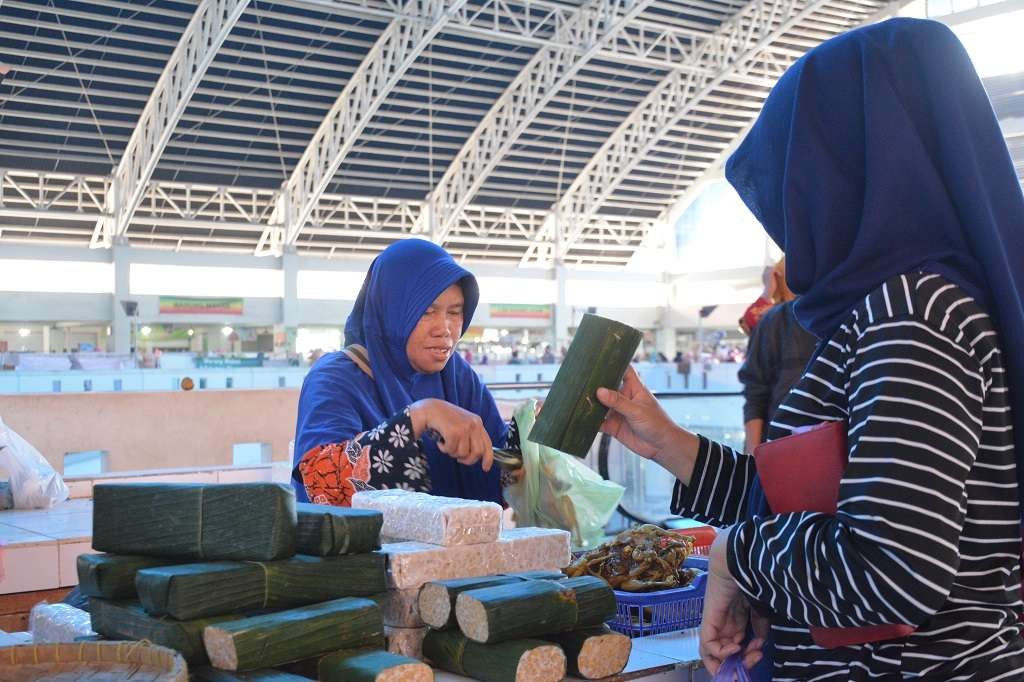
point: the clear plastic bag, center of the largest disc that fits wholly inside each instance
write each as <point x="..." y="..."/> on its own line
<point x="732" y="670"/>
<point x="556" y="490"/>
<point x="34" y="483"/>
<point x="58" y="623"/>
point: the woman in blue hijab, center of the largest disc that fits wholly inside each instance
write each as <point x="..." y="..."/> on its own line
<point x="398" y="408"/>
<point x="879" y="168"/>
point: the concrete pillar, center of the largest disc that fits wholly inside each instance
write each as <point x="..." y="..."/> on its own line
<point x="667" y="333"/>
<point x="290" y="303"/>
<point x="665" y="340"/>
<point x="121" y="324"/>
<point x="46" y="338"/>
<point x="562" y="319"/>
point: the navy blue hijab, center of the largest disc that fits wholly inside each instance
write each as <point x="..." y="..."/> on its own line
<point x="338" y="400"/>
<point x="878" y="153"/>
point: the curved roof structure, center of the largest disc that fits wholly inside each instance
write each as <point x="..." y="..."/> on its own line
<point x="509" y="130"/>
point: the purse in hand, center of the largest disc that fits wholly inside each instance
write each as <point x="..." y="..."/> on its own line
<point x="802" y="472"/>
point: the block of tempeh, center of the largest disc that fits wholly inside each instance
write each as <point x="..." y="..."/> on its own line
<point x="246" y="521"/>
<point x="112" y="576"/>
<point x="127" y="621"/>
<point x="189" y="591"/>
<point x="362" y="665"/>
<point x="594" y="652"/>
<point x="521" y="660"/>
<point x="208" y="674"/>
<point x="437" y="598"/>
<point x="411" y="564"/>
<point x="533" y="608"/>
<point x="324" y="530"/>
<point x="405" y="641"/>
<point x="273" y="639"/>
<point x="400" y="608"/>
<point x="536" y="549"/>
<point x="436" y="520"/>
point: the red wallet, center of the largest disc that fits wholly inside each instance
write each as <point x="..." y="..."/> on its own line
<point x="802" y="472"/>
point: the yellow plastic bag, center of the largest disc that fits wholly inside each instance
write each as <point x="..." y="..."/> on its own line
<point x="556" y="490"/>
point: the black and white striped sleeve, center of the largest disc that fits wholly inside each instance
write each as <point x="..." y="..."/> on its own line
<point x="890" y="553"/>
<point x="717" y="493"/>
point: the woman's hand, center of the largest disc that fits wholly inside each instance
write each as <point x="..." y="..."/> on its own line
<point x="636" y="419"/>
<point x="461" y="434"/>
<point x="724" y="623"/>
<point x="726" y="615"/>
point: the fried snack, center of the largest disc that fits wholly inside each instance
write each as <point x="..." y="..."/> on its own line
<point x="641" y="559"/>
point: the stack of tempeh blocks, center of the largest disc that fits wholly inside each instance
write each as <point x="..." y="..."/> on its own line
<point x="497" y="606"/>
<point x="243" y="578"/>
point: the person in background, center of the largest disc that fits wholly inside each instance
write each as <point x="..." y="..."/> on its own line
<point x="515" y="359"/>
<point x="879" y="168"/>
<point x="766" y="300"/>
<point x="398" y="408"/>
<point x="684" y="364"/>
<point x="467" y="355"/>
<point x="549" y="357"/>
<point x="777" y="354"/>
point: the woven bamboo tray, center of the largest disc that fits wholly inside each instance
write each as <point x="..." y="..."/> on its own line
<point x="138" y="661"/>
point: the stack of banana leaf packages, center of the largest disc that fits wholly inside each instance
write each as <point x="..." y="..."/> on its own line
<point x="242" y="581"/>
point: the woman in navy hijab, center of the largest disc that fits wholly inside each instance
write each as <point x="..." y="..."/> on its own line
<point x="399" y="408"/>
<point x="879" y="168"/>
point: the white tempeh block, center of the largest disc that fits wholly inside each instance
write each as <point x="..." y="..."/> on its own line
<point x="406" y="641"/>
<point x="400" y="608"/>
<point x="411" y="564"/>
<point x="436" y="520"/>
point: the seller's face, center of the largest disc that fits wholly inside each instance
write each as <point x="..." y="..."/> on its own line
<point x="432" y="341"/>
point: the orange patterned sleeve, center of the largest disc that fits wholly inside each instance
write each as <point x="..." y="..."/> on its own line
<point x="333" y="473"/>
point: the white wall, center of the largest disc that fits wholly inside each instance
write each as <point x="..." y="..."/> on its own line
<point x="34" y="307"/>
<point x="29" y="307"/>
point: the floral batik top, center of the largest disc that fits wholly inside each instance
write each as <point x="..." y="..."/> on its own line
<point x="387" y="456"/>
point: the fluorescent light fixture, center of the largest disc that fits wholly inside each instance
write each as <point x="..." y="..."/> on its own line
<point x="191" y="280"/>
<point x="227" y="331"/>
<point x="56" y="276"/>
<point x="328" y="285"/>
<point x="146" y="331"/>
<point x="191" y="332"/>
<point x="24" y="332"/>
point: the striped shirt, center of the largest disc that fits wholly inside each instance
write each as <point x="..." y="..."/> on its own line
<point x="928" y="528"/>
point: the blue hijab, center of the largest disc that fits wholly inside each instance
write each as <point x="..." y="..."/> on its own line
<point x="338" y="400"/>
<point x="878" y="153"/>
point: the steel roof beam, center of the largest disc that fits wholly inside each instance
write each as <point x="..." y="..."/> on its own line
<point x="384" y="66"/>
<point x="735" y="48"/>
<point x="206" y="31"/>
<point x="592" y="28"/>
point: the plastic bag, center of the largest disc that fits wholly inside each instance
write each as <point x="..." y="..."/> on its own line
<point x="732" y="670"/>
<point x="34" y="483"/>
<point x="58" y="623"/>
<point x="556" y="490"/>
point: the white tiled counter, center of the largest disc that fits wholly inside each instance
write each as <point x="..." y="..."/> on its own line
<point x="39" y="547"/>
